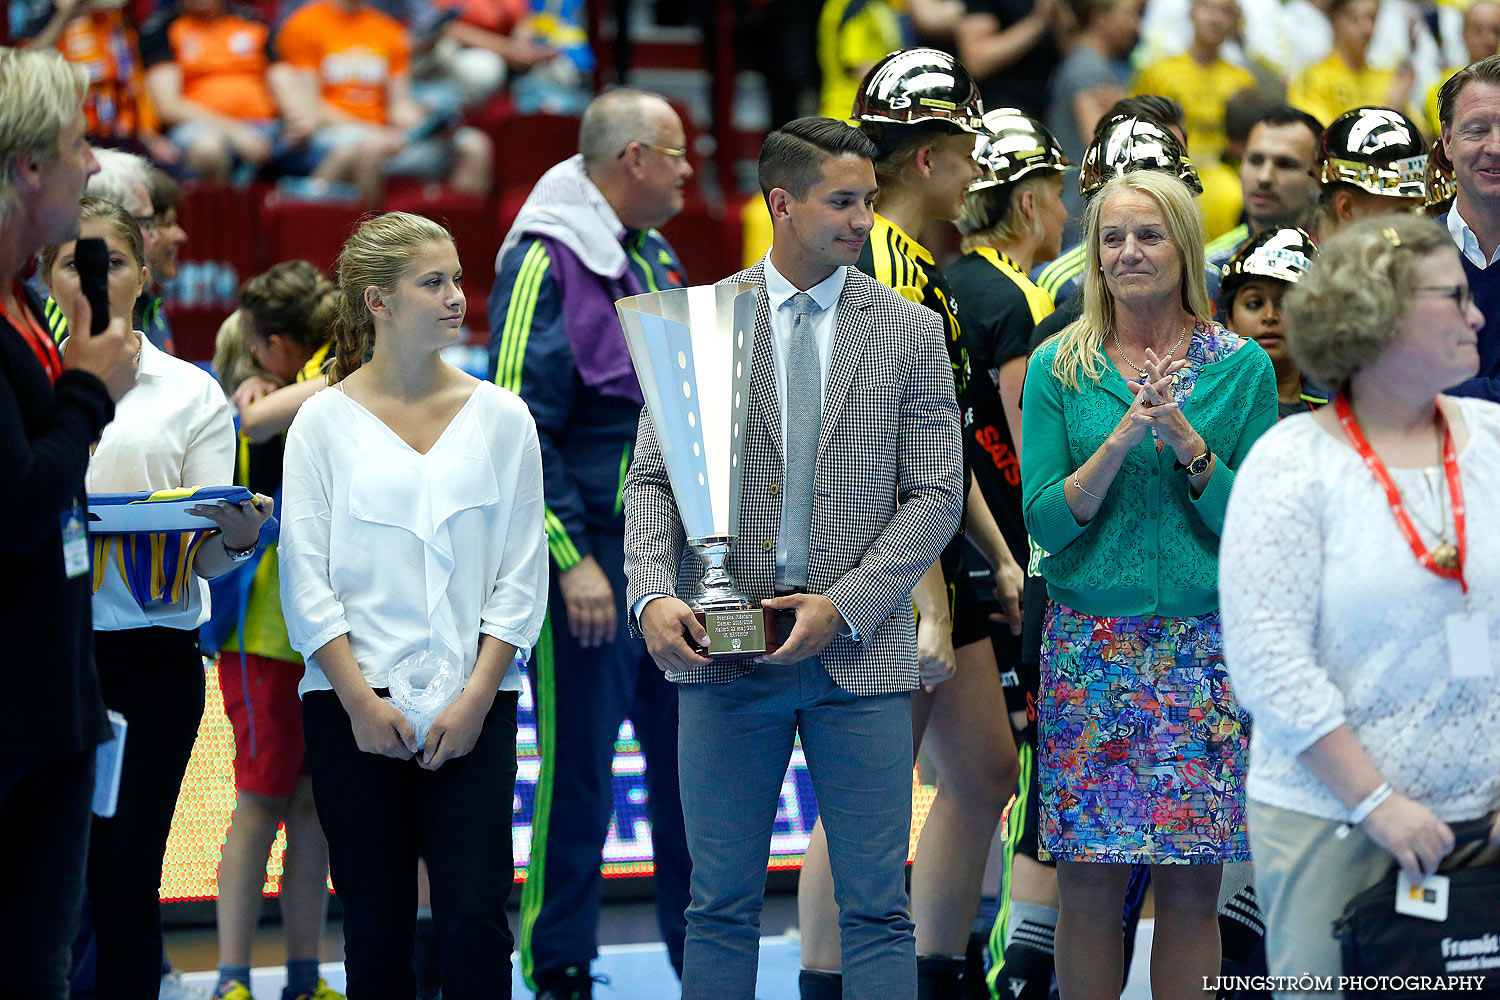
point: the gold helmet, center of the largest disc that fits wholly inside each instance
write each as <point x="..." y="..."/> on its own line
<point x="911" y="86"/>
<point x="1279" y="254"/>
<point x="1438" y="180"/>
<point x="1014" y="147"/>
<point x="1378" y="150"/>
<point x="1129" y="142"/>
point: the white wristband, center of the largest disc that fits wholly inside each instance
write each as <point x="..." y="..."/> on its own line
<point x="1361" y="812"/>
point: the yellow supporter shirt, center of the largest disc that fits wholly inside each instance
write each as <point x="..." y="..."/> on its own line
<point x="265" y="628"/>
<point x="1430" y="106"/>
<point x="1327" y="89"/>
<point x="1222" y="199"/>
<point x="1203" y="91"/>
<point x="755" y="238"/>
<point x="853" y="35"/>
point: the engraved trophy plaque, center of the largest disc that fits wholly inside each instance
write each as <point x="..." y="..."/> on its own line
<point x="691" y="348"/>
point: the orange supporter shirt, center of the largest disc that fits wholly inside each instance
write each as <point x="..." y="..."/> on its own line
<point x="104" y="43"/>
<point x="223" y="62"/>
<point x="354" y="54"/>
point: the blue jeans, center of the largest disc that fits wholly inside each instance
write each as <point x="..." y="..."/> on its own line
<point x="734" y="744"/>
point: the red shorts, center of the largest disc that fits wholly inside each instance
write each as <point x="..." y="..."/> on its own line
<point x="269" y="757"/>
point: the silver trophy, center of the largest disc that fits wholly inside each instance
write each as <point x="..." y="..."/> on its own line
<point x="691" y="348"/>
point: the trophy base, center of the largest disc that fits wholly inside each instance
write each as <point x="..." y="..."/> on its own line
<point x="740" y="634"/>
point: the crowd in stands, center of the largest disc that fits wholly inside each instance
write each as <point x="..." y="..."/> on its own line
<point x="341" y="93"/>
<point x="1067" y="62"/>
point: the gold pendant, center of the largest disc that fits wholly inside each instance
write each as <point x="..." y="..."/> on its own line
<point x="1445" y="557"/>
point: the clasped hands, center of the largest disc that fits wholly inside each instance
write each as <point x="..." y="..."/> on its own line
<point x="1156" y="408"/>
<point x="379" y="727"/>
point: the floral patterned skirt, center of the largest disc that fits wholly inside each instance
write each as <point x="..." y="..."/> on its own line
<point x="1142" y="747"/>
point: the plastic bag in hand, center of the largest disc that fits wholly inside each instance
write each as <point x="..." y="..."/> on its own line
<point x="421" y="686"/>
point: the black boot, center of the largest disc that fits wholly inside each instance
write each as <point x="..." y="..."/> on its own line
<point x="573" y="983"/>
<point x="820" y="985"/>
<point x="974" y="985"/>
<point x="939" y="977"/>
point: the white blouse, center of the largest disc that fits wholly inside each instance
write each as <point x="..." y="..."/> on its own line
<point x="174" y="429"/>
<point x="1329" y="619"/>
<point x="405" y="552"/>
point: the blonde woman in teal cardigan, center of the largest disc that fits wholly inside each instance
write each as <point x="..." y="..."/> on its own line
<point x="1135" y="418"/>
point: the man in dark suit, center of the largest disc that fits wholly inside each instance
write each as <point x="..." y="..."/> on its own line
<point x="843" y="505"/>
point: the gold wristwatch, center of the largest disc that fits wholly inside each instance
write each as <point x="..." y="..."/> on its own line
<point x="1199" y="465"/>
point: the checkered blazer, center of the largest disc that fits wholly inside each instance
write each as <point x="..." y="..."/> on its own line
<point x="887" y="494"/>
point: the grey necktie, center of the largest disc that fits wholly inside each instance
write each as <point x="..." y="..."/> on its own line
<point x="804" y="419"/>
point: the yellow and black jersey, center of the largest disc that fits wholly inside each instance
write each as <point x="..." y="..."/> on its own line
<point x="854" y="35"/>
<point x="895" y="259"/>
<point x="1002" y="306"/>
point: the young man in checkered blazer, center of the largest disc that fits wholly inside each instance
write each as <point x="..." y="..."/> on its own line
<point x="875" y="491"/>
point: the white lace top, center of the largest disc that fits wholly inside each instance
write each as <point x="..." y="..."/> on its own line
<point x="1329" y="619"/>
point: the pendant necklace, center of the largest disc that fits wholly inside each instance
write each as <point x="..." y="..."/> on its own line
<point x="1180" y="338"/>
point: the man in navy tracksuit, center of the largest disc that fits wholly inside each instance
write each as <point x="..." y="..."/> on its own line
<point x="584" y="238"/>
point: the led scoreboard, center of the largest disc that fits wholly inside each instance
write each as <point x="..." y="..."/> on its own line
<point x="190" y="871"/>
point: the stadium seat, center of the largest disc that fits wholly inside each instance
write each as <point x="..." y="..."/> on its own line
<point x="471" y="221"/>
<point x="314" y="231"/>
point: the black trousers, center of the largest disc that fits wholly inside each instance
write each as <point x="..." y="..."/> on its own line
<point x="153" y="677"/>
<point x="380" y="815"/>
<point x="44" y="834"/>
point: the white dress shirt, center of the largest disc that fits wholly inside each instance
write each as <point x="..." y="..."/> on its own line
<point x="174" y="429"/>
<point x="779" y="292"/>
<point x="405" y="552"/>
<point x="1466" y="241"/>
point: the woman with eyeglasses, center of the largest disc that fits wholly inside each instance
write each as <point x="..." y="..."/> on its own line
<point x="1361" y="591"/>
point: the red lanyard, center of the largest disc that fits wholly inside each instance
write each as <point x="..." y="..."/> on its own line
<point x="1451" y="563"/>
<point x="41" y="344"/>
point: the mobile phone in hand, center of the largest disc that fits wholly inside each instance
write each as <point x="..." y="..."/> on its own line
<point x="91" y="261"/>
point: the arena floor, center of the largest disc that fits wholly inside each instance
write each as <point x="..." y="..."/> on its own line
<point x="636" y="970"/>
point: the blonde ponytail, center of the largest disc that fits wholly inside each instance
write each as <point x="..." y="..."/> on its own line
<point x="374" y="255"/>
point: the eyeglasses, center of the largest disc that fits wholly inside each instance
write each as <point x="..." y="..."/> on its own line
<point x="675" y="154"/>
<point x="1462" y="295"/>
<point x="146" y="222"/>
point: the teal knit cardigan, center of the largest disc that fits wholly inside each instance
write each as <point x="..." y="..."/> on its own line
<point x="1152" y="549"/>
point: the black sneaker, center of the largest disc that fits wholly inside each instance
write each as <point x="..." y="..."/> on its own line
<point x="573" y="983"/>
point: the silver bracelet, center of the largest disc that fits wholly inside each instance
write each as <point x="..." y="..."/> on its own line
<point x="1371" y="802"/>
<point x="1081" y="489"/>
